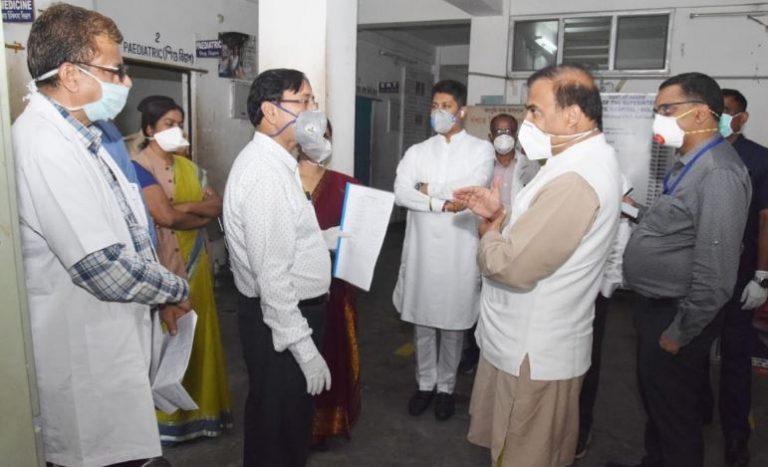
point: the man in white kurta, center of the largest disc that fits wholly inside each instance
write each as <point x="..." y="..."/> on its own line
<point x="541" y="274"/>
<point x="90" y="270"/>
<point x="439" y="284"/>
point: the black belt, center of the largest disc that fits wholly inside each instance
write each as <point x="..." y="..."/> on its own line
<point x="308" y="302"/>
<point x="314" y="301"/>
<point x="660" y="301"/>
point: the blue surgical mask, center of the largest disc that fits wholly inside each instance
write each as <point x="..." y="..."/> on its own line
<point x="725" y="124"/>
<point x="111" y="103"/>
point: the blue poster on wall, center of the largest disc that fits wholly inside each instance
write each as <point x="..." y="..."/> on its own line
<point x="208" y="49"/>
<point x="18" y="11"/>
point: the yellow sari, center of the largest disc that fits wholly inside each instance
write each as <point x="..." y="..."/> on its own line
<point x="206" y="376"/>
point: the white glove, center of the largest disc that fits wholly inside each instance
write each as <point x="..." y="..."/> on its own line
<point x="317" y="375"/>
<point x="754" y="295"/>
<point x="331" y="237"/>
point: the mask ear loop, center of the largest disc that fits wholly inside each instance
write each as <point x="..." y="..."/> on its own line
<point x="287" y="124"/>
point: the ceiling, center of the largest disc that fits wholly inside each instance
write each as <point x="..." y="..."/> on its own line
<point x="436" y="35"/>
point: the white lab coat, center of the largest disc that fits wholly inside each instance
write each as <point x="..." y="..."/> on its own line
<point x="91" y="357"/>
<point x="439" y="283"/>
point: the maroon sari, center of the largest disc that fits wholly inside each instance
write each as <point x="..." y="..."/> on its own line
<point x="338" y="409"/>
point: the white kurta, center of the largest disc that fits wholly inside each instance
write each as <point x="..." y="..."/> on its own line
<point x="439" y="283"/>
<point x="91" y="357"/>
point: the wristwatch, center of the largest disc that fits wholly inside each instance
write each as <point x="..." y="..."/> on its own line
<point x="761" y="282"/>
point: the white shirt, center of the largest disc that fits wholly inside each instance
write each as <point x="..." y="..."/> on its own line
<point x="514" y="176"/>
<point x="439" y="282"/>
<point x="275" y="245"/>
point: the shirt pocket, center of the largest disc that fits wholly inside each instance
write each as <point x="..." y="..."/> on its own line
<point x="668" y="215"/>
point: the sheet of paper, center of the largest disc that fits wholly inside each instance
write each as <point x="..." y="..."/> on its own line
<point x="174" y="353"/>
<point x="629" y="210"/>
<point x="364" y="221"/>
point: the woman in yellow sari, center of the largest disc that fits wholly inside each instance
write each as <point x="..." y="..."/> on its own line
<point x="181" y="204"/>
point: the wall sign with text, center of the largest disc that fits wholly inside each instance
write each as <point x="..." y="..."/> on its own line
<point x="158" y="51"/>
<point x="18" y="11"/>
<point x="208" y="49"/>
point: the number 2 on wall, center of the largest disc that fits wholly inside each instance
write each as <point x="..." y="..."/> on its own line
<point x="157" y="37"/>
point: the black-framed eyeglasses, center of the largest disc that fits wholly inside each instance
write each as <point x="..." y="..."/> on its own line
<point x="503" y="131"/>
<point x="121" y="70"/>
<point x="305" y="102"/>
<point x="663" y="109"/>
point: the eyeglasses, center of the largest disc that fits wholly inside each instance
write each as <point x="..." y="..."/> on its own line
<point x="305" y="102"/>
<point x="664" y="109"/>
<point x="121" y="70"/>
<point x="502" y="131"/>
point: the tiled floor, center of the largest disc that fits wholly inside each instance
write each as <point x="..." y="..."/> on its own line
<point x="387" y="436"/>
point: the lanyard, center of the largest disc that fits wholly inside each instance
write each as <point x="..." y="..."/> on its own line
<point x="668" y="190"/>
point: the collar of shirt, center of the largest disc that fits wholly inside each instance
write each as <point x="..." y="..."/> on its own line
<point x="686" y="158"/>
<point x="457" y="137"/>
<point x="279" y="153"/>
<point x="89" y="136"/>
<point x="275" y="150"/>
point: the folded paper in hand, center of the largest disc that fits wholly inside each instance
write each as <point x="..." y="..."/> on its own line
<point x="170" y="357"/>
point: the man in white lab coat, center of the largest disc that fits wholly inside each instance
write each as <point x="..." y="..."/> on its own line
<point x="438" y="287"/>
<point x="89" y="266"/>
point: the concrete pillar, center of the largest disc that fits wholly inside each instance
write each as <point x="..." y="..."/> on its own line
<point x="321" y="41"/>
<point x="19" y="441"/>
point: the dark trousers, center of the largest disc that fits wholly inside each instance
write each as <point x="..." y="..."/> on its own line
<point x="670" y="387"/>
<point x="736" y="371"/>
<point x="588" y="393"/>
<point x="278" y="411"/>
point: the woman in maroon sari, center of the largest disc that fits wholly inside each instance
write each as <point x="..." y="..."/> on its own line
<point x="335" y="410"/>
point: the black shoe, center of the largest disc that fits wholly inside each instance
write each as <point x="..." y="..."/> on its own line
<point x="445" y="406"/>
<point x="420" y="401"/>
<point x="736" y="453"/>
<point x="469" y="359"/>
<point x="582" y="444"/>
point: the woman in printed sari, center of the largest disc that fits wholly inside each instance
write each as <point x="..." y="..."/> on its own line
<point x="181" y="204"/>
<point x="338" y="409"/>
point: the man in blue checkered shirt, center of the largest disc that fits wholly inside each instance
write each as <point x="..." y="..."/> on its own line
<point x="91" y="272"/>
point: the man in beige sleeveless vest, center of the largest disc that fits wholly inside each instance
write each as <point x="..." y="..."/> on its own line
<point x="542" y="263"/>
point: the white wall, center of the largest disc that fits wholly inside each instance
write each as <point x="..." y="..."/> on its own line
<point x="219" y="138"/>
<point x="405" y="11"/>
<point x="179" y="22"/>
<point x="372" y="67"/>
<point x="734" y="50"/>
<point x="737" y="60"/>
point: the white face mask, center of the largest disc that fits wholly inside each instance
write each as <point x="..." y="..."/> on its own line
<point x="171" y="139"/>
<point x="538" y="145"/>
<point x="442" y="121"/>
<point x="504" y="144"/>
<point x="309" y="132"/>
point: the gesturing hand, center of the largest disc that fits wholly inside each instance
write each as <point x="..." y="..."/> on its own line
<point x="482" y="201"/>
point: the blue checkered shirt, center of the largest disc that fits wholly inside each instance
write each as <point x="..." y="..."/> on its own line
<point x="115" y="273"/>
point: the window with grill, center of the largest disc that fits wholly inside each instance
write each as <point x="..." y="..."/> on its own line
<point x="604" y="43"/>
